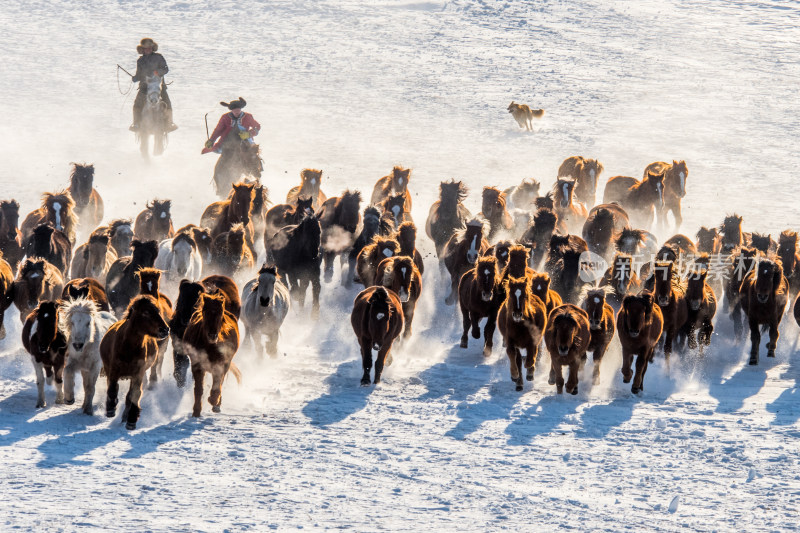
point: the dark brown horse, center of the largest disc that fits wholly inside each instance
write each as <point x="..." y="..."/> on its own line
<point x="155" y="222"/>
<point x="232" y="256"/>
<point x="221" y="216"/>
<point x="601" y="327"/>
<point x="638" y="243"/>
<point x="6" y="294"/>
<point x="282" y="215"/>
<point x="407" y="237"/>
<point x="401" y="276"/>
<point x="675" y="176"/>
<point x="742" y="263"/>
<point x="339" y="219"/>
<point x="447" y="214"/>
<point x="540" y="287"/>
<point x="120" y="235"/>
<point x="122" y="285"/>
<point x="239" y="159"/>
<point x="372" y="226"/>
<point x="10" y="234"/>
<point x="211" y="340"/>
<point x="620" y="280"/>
<point x="641" y="199"/>
<point x="500" y="250"/>
<point x="88" y="203"/>
<point x="48" y="348"/>
<point x="539" y="234"/>
<point x="521" y="319"/>
<point x="585" y="172"/>
<point x="129" y="348"/>
<point x="88" y="288"/>
<point x="310" y="181"/>
<point x="395" y="211"/>
<point x="599" y="231"/>
<point x="377" y="320"/>
<point x="572" y="214"/>
<point x="461" y="252"/>
<point x="702" y="306"/>
<point x="708" y="241"/>
<point x="50" y="244"/>
<point x="37" y="281"/>
<point x="764" y="294"/>
<point x="58" y="210"/>
<point x="564" y="266"/>
<point x="295" y="250"/>
<point x="493" y="209"/>
<point x="790" y="259"/>
<point x="670" y="295"/>
<point x="731" y="232"/>
<point x="682" y="244"/>
<point x="567" y="337"/>
<point x="149" y="281"/>
<point x="480" y="295"/>
<point x="763" y="243"/>
<point x="639" y="326"/>
<point x="93" y="259"/>
<point x="394" y="183"/>
<point x="371" y="255"/>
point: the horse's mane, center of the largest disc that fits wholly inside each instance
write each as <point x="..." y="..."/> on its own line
<point x="197" y="315"/>
<point x="62" y="196"/>
<point x="99" y="238"/>
<point x="79" y="305"/>
<point x="474" y="222"/>
<point x="5" y="204"/>
<point x="384" y="241"/>
<point x="461" y="190"/>
<point x="78" y="168"/>
<point x="31" y="264"/>
<point x="116" y="224"/>
<point x="629" y="233"/>
<point x="545" y="201"/>
<point x="556" y="190"/>
<point x="486" y="261"/>
<point x="307" y="172"/>
<point x="371" y="211"/>
<point x="183" y="237"/>
<point x="544" y="218"/>
<point x="603" y="216"/>
<point x="589" y="291"/>
<point x="137" y="302"/>
<point x="152" y="204"/>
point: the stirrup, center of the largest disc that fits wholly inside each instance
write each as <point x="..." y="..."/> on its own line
<point x="171" y="127"/>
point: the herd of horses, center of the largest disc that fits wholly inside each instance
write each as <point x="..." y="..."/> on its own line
<point x="111" y="303"/>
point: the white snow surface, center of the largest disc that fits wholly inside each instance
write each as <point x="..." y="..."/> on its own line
<point x="444" y="443"/>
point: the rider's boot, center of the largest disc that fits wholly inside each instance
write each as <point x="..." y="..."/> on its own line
<point x="170" y="125"/>
<point x="135" y="125"/>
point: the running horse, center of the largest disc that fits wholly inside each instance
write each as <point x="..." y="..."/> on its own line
<point x="154" y="117"/>
<point x="239" y="159"/>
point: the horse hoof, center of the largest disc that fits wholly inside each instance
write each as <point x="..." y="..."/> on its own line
<point x="753" y="360"/>
<point x="626" y="379"/>
<point x="69" y="402"/>
<point x="487" y="351"/>
<point x="476" y="334"/>
<point x="635" y="390"/>
<point x="560" y="390"/>
<point x="130" y="425"/>
<point x="771" y="353"/>
<point x="110" y="414"/>
<point x="216" y="408"/>
<point x="88" y="411"/>
<point x="574" y="391"/>
<point x="60" y="401"/>
<point x="365" y="382"/>
<point x="463" y="343"/>
<point x="519" y="387"/>
<point x="529" y="375"/>
<point x="41" y="405"/>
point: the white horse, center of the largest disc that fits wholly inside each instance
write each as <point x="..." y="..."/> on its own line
<point x="178" y="258"/>
<point x="265" y="304"/>
<point x="84" y="326"/>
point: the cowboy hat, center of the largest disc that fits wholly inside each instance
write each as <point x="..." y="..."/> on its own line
<point x="147" y="42"/>
<point x="234" y="104"/>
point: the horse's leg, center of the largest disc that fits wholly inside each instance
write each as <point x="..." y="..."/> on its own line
<point x="155" y="370"/>
<point x="453" y="296"/>
<point x="69" y="384"/>
<point x="512" y="352"/>
<point x="736" y="318"/>
<point x="669" y="336"/>
<point x="558" y="373"/>
<point x="59" y="384"/>
<point x="272" y="344"/>
<point x="641" y="367"/>
<point x="366" y="359"/>
<point x="755" y="340"/>
<point x="40" y="400"/>
<point x="134" y="397"/>
<point x="531" y="354"/>
<point x="315" y="289"/>
<point x="572" y="381"/>
<point x="89" y="383"/>
<point x="215" y="396"/>
<point x="408" y="316"/>
<point x="676" y="212"/>
<point x="328" y="257"/>
<point x="627" y="362"/>
<point x="380" y="360"/>
<point x="773" y="338"/>
<point x="476" y="325"/>
<point x="488" y="334"/>
<point x="112" y="396"/>
<point x="198" y="374"/>
<point x="181" y="363"/>
<point x="597" y="358"/>
<point x="466" y="322"/>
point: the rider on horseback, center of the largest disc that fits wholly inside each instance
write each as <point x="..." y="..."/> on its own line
<point x="236" y="123"/>
<point x="148" y="64"/>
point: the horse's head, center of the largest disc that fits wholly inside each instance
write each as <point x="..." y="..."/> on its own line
<point x="81" y="182"/>
<point x="566" y="329"/>
<point x="501" y="251"/>
<point x="451" y="193"/>
<point x="9" y="209"/>
<point x="398" y="273"/>
<point x="761" y="242"/>
<point x="212" y="307"/>
<point x="372" y="220"/>
<point x="667" y="253"/>
<point x="145" y="315"/>
<point x="144" y="252"/>
<point x="768" y="279"/>
<point x="563" y="191"/>
<point x="242" y="201"/>
<point x="251" y="159"/>
<point x="558" y="243"/>
<point x="473" y="236"/>
<point x="95" y="255"/>
<point x="349" y="208"/>
<point x="622" y="272"/>
<point x="59" y="208"/>
<point x="77" y="290"/>
<point x="655" y="181"/>
<point x="260" y="199"/>
<point x="787" y="250"/>
<point x="540" y="285"/>
<point x="45" y="326"/>
<point x="629" y="241"/>
<point x="525" y="193"/>
<point x="695" y="287"/>
<point x="493" y="202"/>
<point x="663" y="272"/>
<point x="545" y="202"/>
<point x="744" y="262"/>
<point x="236" y="239"/>
<point x="570" y="266"/>
<point x="486" y="276"/>
<point x="188" y="295"/>
<point x="595" y="306"/>
<point x="120" y="232"/>
<point x="638" y="310"/>
<point x="149" y="280"/>
<point x="731" y="230"/>
<point x="204" y="242"/>
<point x="380" y="308"/>
<point x="681" y="173"/>
<point x="75" y="322"/>
<point x="386" y="246"/>
<point x="160" y="212"/>
<point x="517" y="260"/>
<point x="265" y="288"/>
<point x="153" y="88"/>
<point x="396" y="205"/>
<point x="305" y="205"/>
<point x="311" y="179"/>
<point x="707" y="239"/>
<point x="400" y="177"/>
<point x="407" y="237"/>
<point x="518" y="296"/>
<point x="544" y="222"/>
<point x="183" y="246"/>
<point x="592" y="169"/>
<point x="32" y="276"/>
<point x="38" y="244"/>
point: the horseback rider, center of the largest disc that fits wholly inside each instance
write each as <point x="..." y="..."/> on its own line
<point x="148" y="64"/>
<point x="237" y="123"/>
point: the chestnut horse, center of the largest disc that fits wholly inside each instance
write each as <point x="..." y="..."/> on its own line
<point x="129" y="348"/>
<point x="790" y="259"/>
<point x="211" y="340"/>
<point x="493" y="209"/>
<point x="708" y="240"/>
<point x="394" y="183"/>
<point x="310" y="181"/>
<point x="339" y="218"/>
<point x="295" y="251"/>
<point x="572" y="214"/>
<point x="764" y="294"/>
<point x="702" y="306"/>
<point x="50" y="244"/>
<point x="447" y="214"/>
<point x="372" y="226"/>
<point x="743" y="262"/>
<point x="641" y="199"/>
<point x="232" y="256"/>
<point x="731" y="232"/>
<point x="377" y="320"/>
<point x="282" y="215"/>
<point x="567" y="337"/>
<point x="88" y="203"/>
<point x="221" y="216"/>
<point x="521" y="319"/>
<point x="407" y="237"/>
<point x="37" y="280"/>
<point x="48" y="348"/>
<point x="675" y="176"/>
<point x="601" y="327"/>
<point x="88" y="288"/>
<point x="540" y="287"/>
<point x="149" y="281"/>
<point x="93" y="259"/>
<point x="395" y="211"/>
<point x="122" y="285"/>
<point x="6" y="292"/>
<point x="155" y="222"/>
<point x="461" y="252"/>
<point x="620" y="280"/>
<point x="670" y="295"/>
<point x="585" y="172"/>
<point x="639" y="326"/>
<point x="10" y="234"/>
<point x="58" y="210"/>
<point x="480" y="295"/>
<point x="399" y="274"/>
<point x="370" y="257"/>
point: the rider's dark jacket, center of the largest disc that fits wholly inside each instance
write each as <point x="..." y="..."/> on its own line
<point x="146" y="65"/>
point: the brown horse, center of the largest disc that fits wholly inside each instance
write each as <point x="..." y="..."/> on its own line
<point x="500" y="250"/>
<point x="764" y="294"/>
<point x="221" y="216"/>
<point x="639" y="326"/>
<point x="129" y="348"/>
<point x="572" y="214"/>
<point x="447" y="214"/>
<point x="394" y="183"/>
<point x="48" y="348"/>
<point x="763" y="243"/>
<point x="601" y="327"/>
<point x="521" y="319"/>
<point x="708" y="241"/>
<point x="88" y="203"/>
<point x="211" y="340"/>
<point x="86" y="288"/>
<point x="620" y="280"/>
<point x="395" y="211"/>
<point x="371" y="255"/>
<point x="567" y="337"/>
<point x="743" y="262"/>
<point x="585" y="172"/>
<point x="149" y="281"/>
<point x="6" y="294"/>
<point x="539" y="234"/>
<point x="372" y="226"/>
<point x="702" y="306"/>
<point x="790" y="259"/>
<point x="407" y="237"/>
<point x="155" y="222"/>
<point x="522" y="196"/>
<point x="377" y="320"/>
<point x="731" y="232"/>
<point x="50" y="244"/>
<point x="58" y="210"/>
<point x="480" y="295"/>
<point x="310" y="181"/>
<point x="641" y="199"/>
<point x="282" y="215"/>
<point x="540" y="287"/>
<point x="93" y="259"/>
<point x="599" y="231"/>
<point x="564" y="266"/>
<point x="675" y="176"/>
<point x="493" y="209"/>
<point x="10" y="234"/>
<point x="339" y="219"/>
<point x="37" y="280"/>
<point x="461" y="252"/>
<point x="202" y="238"/>
<point x="637" y="243"/>
<point x="682" y="244"/>
<point x="232" y="256"/>
<point x="239" y="159"/>
<point x="401" y="276"/>
<point x="122" y="285"/>
<point x="670" y="295"/>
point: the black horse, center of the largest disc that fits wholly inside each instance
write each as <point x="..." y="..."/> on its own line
<point x="295" y="250"/>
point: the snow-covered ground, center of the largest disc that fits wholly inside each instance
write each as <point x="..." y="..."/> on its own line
<point x="354" y="87"/>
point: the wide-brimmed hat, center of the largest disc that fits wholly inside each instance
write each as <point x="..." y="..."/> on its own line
<point x="147" y="42"/>
<point x="234" y="104"/>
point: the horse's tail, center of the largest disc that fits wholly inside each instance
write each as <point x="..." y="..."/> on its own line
<point x="236" y="372"/>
